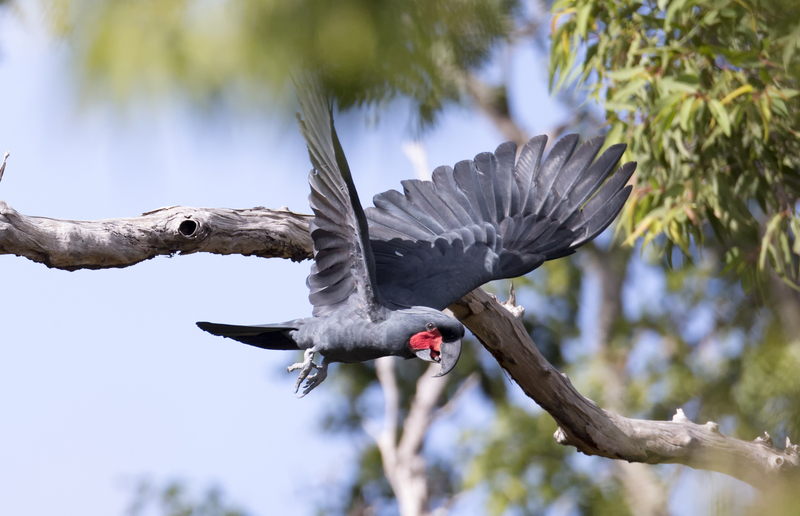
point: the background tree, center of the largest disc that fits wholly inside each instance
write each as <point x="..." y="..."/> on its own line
<point x="703" y="92"/>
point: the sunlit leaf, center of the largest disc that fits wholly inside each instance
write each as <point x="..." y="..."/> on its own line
<point x="735" y="93"/>
<point x="720" y="115"/>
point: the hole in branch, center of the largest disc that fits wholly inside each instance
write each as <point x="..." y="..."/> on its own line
<point x="187" y="227"/>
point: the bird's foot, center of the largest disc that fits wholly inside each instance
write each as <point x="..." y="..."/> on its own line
<point x="312" y="380"/>
<point x="315" y="379"/>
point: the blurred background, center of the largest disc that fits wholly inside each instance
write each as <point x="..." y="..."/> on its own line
<point x="112" y="402"/>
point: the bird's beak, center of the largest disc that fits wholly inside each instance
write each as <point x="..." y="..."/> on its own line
<point x="450" y="352"/>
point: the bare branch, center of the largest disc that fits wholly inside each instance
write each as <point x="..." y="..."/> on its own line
<point x="3" y="166"/>
<point x="595" y="431"/>
<point x="403" y="463"/>
<point x="103" y="244"/>
<point x="387" y="439"/>
<point x="419" y="418"/>
<point x="416" y="154"/>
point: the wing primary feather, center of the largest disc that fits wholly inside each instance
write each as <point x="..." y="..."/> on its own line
<point x="363" y="227"/>
<point x="334" y="198"/>
<point x="327" y="240"/>
<point x="486" y="172"/>
<point x="449" y="192"/>
<point x="473" y="181"/>
<point x="382" y="233"/>
<point x="324" y="201"/>
<point x="595" y="176"/>
<point x="423" y="194"/>
<point x="425" y="218"/>
<point x="327" y="258"/>
<point x="572" y="173"/>
<point x="604" y="216"/>
<point x="328" y="276"/>
<point x="612" y="186"/>
<point x="331" y="294"/>
<point x="463" y="177"/>
<point x="526" y="170"/>
<point x="394" y="203"/>
<point x="389" y="216"/>
<point x="549" y="170"/>
<point x="506" y="153"/>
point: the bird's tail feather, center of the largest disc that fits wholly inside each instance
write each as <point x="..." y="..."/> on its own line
<point x="265" y="336"/>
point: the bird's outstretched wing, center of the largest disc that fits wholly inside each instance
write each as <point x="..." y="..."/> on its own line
<point x="492" y="218"/>
<point x="344" y="268"/>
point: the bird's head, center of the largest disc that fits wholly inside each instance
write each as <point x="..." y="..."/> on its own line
<point x="432" y="336"/>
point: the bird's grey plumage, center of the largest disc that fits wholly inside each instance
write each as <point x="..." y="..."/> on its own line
<point x="343" y="264"/>
<point x="265" y="336"/>
<point x="381" y="277"/>
<point x="492" y="218"/>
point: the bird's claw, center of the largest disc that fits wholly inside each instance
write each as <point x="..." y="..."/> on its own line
<point x="315" y="379"/>
<point x="301" y="365"/>
<point x="312" y="380"/>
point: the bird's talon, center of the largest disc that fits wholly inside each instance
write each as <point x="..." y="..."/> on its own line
<point x="312" y="381"/>
<point x="305" y="367"/>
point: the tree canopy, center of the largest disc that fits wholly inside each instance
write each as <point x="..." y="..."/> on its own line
<point x="705" y="93"/>
<point x="368" y="50"/>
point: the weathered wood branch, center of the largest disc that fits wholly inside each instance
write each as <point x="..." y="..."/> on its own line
<point x="72" y="245"/>
<point x="595" y="431"/>
<point x="103" y="244"/>
<point x="404" y="463"/>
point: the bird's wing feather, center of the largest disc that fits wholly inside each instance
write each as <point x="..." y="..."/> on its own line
<point x="344" y="268"/>
<point x="492" y="218"/>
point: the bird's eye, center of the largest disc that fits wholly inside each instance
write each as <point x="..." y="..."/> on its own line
<point x="430" y="326"/>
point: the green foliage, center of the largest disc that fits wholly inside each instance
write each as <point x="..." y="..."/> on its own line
<point x="369" y="50"/>
<point x="769" y="388"/>
<point x="705" y="93"/>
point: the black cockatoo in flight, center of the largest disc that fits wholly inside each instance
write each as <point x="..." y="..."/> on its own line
<point x="381" y="277"/>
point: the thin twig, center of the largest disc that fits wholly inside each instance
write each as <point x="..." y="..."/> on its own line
<point x="3" y="166"/>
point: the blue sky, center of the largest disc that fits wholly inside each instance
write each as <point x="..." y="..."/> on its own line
<point x="104" y="378"/>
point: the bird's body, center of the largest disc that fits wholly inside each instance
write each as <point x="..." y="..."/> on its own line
<point x="346" y="337"/>
<point x="381" y="277"/>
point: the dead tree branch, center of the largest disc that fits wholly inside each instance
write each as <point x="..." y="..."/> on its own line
<point x="115" y="243"/>
<point x="3" y="166"/>
<point x="595" y="431"/>
<point x="403" y="462"/>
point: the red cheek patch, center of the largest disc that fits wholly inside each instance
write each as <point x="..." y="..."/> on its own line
<point x="427" y="340"/>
